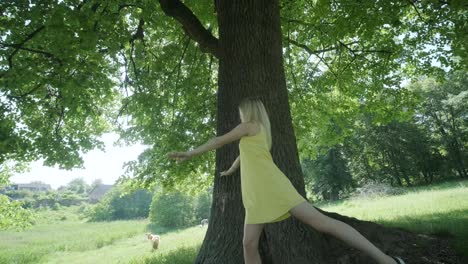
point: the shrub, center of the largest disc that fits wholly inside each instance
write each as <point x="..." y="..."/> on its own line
<point x="116" y="206"/>
<point x="173" y="210"/>
<point x="371" y="190"/>
<point x="176" y="210"/>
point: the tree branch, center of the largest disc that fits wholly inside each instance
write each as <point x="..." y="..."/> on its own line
<point x="416" y="9"/>
<point x="26" y="93"/>
<point x="60" y="120"/>
<point x="316" y="53"/>
<point x="191" y="25"/>
<point x="300" y="22"/>
<point x="309" y="50"/>
<point x="20" y="45"/>
<point x="135" y="70"/>
<point x="139" y="34"/>
<point x="353" y="51"/>
<point x="179" y="69"/>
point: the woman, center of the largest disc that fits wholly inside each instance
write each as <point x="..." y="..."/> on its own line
<point x="277" y="199"/>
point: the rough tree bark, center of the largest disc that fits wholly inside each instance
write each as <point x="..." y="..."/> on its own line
<point x="249" y="50"/>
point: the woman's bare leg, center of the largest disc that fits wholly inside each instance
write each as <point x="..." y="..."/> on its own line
<point x="251" y="238"/>
<point x="306" y="213"/>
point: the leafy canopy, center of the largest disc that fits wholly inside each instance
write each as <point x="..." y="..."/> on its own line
<point x="72" y="70"/>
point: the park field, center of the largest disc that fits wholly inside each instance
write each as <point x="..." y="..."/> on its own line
<point x="61" y="237"/>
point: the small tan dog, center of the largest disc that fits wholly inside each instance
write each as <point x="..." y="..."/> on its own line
<point x="154" y="239"/>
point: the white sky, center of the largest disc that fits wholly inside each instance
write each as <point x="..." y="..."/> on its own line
<point x="106" y="166"/>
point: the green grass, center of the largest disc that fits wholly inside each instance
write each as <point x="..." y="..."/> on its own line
<point x="440" y="209"/>
<point x="179" y="247"/>
<point x="182" y="255"/>
<point x="137" y="249"/>
<point x="61" y="237"/>
<point x="47" y="216"/>
<point x="43" y="240"/>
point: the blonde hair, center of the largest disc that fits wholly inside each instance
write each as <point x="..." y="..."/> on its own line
<point x="253" y="109"/>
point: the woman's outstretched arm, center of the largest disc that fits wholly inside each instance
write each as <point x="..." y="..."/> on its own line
<point x="234" y="167"/>
<point x="243" y="129"/>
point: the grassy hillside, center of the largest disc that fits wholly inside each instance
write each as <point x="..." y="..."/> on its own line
<point x="439" y="209"/>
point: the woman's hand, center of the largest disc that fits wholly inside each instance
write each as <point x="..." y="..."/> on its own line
<point x="179" y="156"/>
<point x="226" y="173"/>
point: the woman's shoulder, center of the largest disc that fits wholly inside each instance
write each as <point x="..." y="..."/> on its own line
<point x="253" y="127"/>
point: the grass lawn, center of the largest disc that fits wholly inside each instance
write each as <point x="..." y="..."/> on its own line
<point x="61" y="237"/>
<point x="39" y="242"/>
<point x="82" y="242"/>
<point x="438" y="209"/>
<point x="135" y="249"/>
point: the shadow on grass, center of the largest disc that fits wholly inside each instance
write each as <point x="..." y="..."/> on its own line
<point x="453" y="224"/>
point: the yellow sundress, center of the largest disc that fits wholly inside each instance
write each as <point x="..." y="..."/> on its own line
<point x="267" y="194"/>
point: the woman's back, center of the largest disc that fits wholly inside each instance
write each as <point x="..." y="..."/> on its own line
<point x="267" y="194"/>
<point x="256" y="145"/>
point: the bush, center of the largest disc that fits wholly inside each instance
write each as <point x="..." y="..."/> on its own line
<point x="100" y="212"/>
<point x="176" y="210"/>
<point x="328" y="176"/>
<point x="371" y="190"/>
<point x="115" y="206"/>
<point x="203" y="206"/>
<point x="173" y="210"/>
<point x="55" y="206"/>
<point x="131" y="206"/>
<point x="49" y="199"/>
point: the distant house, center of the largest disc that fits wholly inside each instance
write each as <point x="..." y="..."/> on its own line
<point x="35" y="187"/>
<point x="98" y="192"/>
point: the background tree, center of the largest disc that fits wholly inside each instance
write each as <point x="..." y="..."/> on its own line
<point x="13" y="215"/>
<point x="328" y="175"/>
<point x="94" y="184"/>
<point x="443" y="113"/>
<point x="120" y="205"/>
<point x="79" y="186"/>
<point x="174" y="210"/>
<point x="202" y="206"/>
<point x="411" y="149"/>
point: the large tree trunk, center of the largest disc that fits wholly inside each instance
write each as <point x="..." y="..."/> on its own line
<point x="250" y="64"/>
